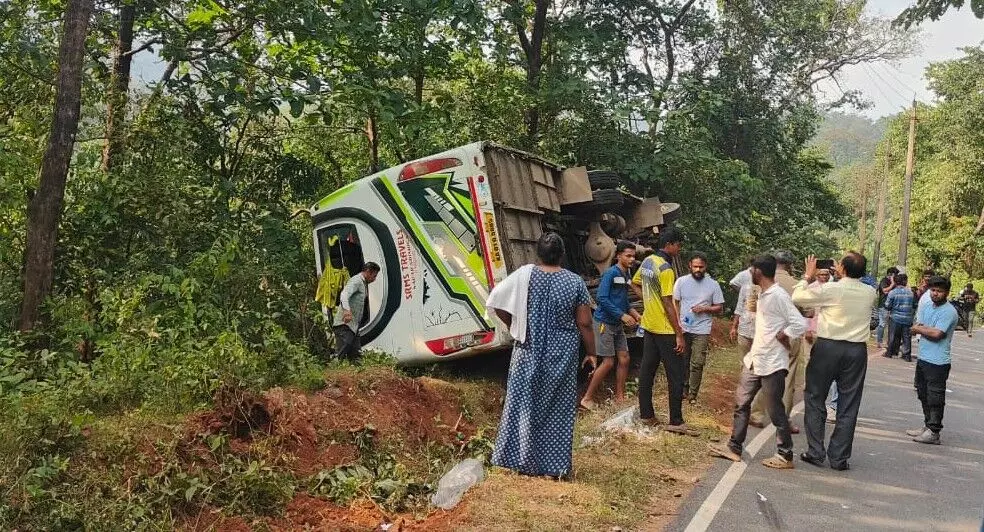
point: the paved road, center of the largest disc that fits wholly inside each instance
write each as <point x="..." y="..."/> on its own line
<point x="894" y="483"/>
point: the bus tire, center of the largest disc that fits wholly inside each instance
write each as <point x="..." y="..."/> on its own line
<point x="607" y="200"/>
<point x="600" y="179"/>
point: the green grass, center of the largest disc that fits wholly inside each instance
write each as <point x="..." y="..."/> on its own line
<point x="624" y="481"/>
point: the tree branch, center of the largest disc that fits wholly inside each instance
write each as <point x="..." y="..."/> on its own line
<point x="142" y="47"/>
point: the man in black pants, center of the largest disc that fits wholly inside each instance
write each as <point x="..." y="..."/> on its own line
<point x="663" y="339"/>
<point x="777" y="323"/>
<point x="839" y="355"/>
<point x="935" y="324"/>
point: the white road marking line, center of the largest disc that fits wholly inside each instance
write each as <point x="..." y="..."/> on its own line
<point x="705" y="514"/>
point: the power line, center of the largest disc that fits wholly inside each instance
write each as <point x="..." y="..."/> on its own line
<point x="917" y="79"/>
<point x="900" y="82"/>
<point x="878" y="87"/>
<point x="890" y="86"/>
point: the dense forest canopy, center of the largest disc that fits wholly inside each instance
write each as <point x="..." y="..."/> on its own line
<point x="149" y="257"/>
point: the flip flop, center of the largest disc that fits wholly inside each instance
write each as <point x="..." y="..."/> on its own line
<point x="682" y="430"/>
<point x="590" y="406"/>
<point x="722" y="451"/>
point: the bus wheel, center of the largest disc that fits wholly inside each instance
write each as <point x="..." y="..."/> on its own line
<point x="607" y="200"/>
<point x="600" y="179"/>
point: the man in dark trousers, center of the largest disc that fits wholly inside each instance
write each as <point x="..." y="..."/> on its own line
<point x="764" y="368"/>
<point x="935" y="323"/>
<point x="351" y="308"/>
<point x="839" y="355"/>
<point x="969" y="298"/>
<point x="663" y="341"/>
<point x="886" y="285"/>
<point x="900" y="305"/>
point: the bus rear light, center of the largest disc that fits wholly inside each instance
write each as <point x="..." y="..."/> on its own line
<point x="453" y="344"/>
<point x="421" y="168"/>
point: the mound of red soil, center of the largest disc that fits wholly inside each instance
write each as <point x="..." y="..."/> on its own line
<point x="315" y="432"/>
<point x="315" y="429"/>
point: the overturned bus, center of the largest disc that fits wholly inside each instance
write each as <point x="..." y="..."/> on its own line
<point x="446" y="228"/>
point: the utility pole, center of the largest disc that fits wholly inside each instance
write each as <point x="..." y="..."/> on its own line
<point x="910" y="161"/>
<point x="880" y="221"/>
<point x="864" y="212"/>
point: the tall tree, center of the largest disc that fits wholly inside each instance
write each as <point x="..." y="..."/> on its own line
<point x="45" y="208"/>
<point x="933" y="10"/>
<point x="119" y="83"/>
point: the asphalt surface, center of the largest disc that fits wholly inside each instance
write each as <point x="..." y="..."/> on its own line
<point x="893" y="484"/>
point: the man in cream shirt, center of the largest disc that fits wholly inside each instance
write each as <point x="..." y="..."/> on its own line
<point x="839" y="355"/>
<point x="777" y="324"/>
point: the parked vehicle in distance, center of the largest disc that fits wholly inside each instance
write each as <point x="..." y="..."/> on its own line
<point x="448" y="227"/>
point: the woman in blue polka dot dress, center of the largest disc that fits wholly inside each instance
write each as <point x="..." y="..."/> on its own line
<point x="537" y="427"/>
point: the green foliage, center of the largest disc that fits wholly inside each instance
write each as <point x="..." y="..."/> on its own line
<point x="948" y="185"/>
<point x="181" y="271"/>
<point x="934" y="9"/>
<point x="377" y="475"/>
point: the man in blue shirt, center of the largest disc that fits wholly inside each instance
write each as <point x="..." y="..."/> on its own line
<point x="899" y="305"/>
<point x="935" y="323"/>
<point x="610" y="319"/>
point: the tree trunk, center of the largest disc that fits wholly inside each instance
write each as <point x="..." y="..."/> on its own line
<point x="119" y="86"/>
<point x="45" y="208"/>
<point x="372" y="135"/>
<point x="533" y="49"/>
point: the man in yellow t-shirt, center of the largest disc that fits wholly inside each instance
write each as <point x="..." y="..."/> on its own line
<point x="663" y="339"/>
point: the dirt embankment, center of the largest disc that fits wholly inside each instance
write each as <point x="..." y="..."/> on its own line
<point x="305" y="434"/>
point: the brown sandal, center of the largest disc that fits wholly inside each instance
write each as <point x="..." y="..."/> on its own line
<point x="777" y="462"/>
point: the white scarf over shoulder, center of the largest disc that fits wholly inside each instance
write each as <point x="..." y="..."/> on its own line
<point x="512" y="295"/>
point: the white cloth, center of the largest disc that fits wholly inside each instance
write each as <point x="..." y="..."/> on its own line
<point x="512" y="296"/>
<point x="746" y="318"/>
<point x="742" y="278"/>
<point x="776" y="312"/>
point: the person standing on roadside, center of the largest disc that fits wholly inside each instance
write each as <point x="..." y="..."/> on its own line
<point x="970" y="298"/>
<point x="547" y="310"/>
<point x="743" y="277"/>
<point x="743" y="322"/>
<point x="764" y="368"/>
<point x="797" y="363"/>
<point x="840" y="355"/>
<point x="921" y="292"/>
<point x="899" y="305"/>
<point x="611" y="318"/>
<point x="886" y="285"/>
<point x="810" y="338"/>
<point x="935" y="323"/>
<point x="698" y="297"/>
<point x="352" y="304"/>
<point x="663" y="340"/>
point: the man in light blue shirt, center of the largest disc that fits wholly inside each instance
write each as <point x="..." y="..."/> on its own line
<point x="698" y="298"/>
<point x="935" y="322"/>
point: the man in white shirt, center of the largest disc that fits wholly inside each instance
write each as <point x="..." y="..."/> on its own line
<point x="352" y="306"/>
<point x="777" y="323"/>
<point x="743" y="322"/>
<point x="839" y="355"/>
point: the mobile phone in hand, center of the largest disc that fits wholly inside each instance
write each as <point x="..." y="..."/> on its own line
<point x="825" y="264"/>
